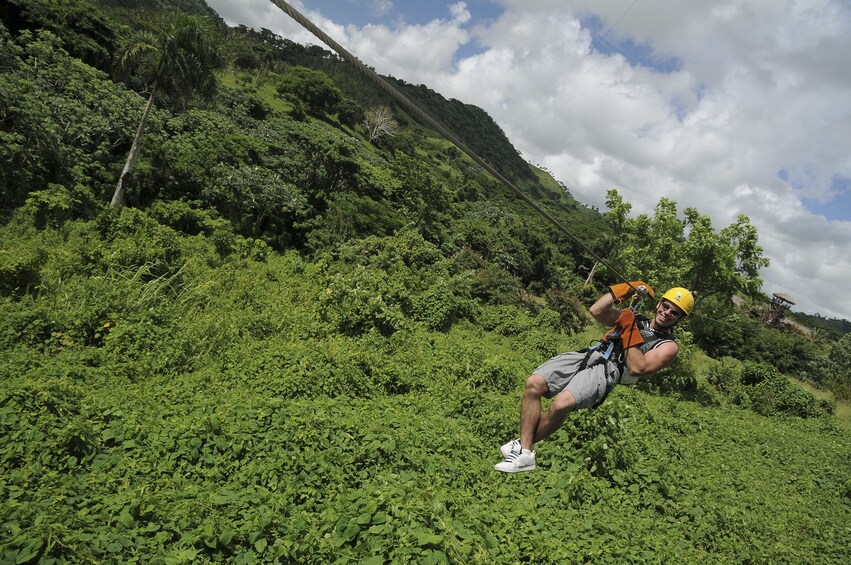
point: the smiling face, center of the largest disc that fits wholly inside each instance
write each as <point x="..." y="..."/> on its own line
<point x="667" y="315"/>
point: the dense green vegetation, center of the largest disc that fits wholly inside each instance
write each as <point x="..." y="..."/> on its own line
<point x="831" y="328"/>
<point x="234" y="409"/>
<point x="293" y="344"/>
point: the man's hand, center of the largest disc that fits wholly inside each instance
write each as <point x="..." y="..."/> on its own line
<point x="623" y="291"/>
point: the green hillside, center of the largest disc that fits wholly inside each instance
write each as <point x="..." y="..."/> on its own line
<point x="296" y="341"/>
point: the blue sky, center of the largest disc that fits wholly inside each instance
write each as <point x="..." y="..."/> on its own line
<point x="838" y="207"/>
<point x="643" y="54"/>
<point x="363" y="12"/>
<point x="725" y="106"/>
<point x="401" y="13"/>
<point x="833" y="204"/>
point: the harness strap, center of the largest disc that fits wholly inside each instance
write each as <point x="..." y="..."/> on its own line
<point x="609" y="343"/>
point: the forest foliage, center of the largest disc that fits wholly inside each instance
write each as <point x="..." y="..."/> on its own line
<point x="297" y="344"/>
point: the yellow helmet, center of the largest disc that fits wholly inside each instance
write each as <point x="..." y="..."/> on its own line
<point x="681" y="297"/>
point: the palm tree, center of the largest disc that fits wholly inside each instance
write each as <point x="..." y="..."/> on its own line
<point x="179" y="60"/>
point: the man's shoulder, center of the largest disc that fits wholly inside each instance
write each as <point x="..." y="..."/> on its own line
<point x="653" y="338"/>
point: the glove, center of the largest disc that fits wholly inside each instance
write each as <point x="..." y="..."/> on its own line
<point x="625" y="326"/>
<point x="622" y="291"/>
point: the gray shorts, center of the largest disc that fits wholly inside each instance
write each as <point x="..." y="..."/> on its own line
<point x="589" y="386"/>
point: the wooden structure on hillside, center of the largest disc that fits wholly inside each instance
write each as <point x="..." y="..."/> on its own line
<point x="776" y="312"/>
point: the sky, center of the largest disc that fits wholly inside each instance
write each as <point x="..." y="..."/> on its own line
<point x="727" y="106"/>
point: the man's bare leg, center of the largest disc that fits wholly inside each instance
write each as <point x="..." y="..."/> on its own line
<point x="563" y="404"/>
<point x="535" y="426"/>
<point x="530" y="410"/>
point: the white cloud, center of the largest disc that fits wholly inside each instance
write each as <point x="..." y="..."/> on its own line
<point x="263" y="14"/>
<point x="411" y="50"/>
<point x="460" y="13"/>
<point x="762" y="87"/>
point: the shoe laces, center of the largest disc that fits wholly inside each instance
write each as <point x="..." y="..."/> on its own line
<point x="513" y="456"/>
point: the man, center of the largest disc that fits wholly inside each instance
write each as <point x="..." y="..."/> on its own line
<point x="635" y="347"/>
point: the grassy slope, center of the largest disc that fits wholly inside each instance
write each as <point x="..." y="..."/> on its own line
<point x="248" y="430"/>
<point x="843" y="409"/>
<point x="266" y="90"/>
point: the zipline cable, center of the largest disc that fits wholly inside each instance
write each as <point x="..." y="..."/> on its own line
<point x="434" y="124"/>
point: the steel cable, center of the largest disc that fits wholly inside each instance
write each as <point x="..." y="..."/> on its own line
<point x="433" y="123"/>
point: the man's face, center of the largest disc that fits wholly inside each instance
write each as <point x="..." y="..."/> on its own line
<point x="668" y="314"/>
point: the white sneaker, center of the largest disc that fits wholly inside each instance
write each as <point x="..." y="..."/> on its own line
<point x="517" y="462"/>
<point x="510" y="447"/>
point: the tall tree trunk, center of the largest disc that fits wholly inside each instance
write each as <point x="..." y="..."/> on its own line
<point x="120" y="189"/>
<point x="590" y="279"/>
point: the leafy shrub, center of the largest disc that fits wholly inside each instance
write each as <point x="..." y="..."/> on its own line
<point x="86" y="31"/>
<point x="46" y="413"/>
<point x="600" y="437"/>
<point x="422" y="196"/>
<point x="183" y="217"/>
<point x="383" y="282"/>
<point x="140" y="344"/>
<point x="762" y="388"/>
<point x="256" y="200"/>
<point x="572" y="313"/>
<point x="134" y="239"/>
<point x="437" y="307"/>
<point x="307" y="371"/>
<point x="298" y="109"/>
<point x="725" y="374"/>
<point x="826" y="405"/>
<point x="785" y="350"/>
<point x="349" y="112"/>
<point x="407" y="249"/>
<point x="349" y="216"/>
<point x="491" y="414"/>
<point x="363" y="299"/>
<point x="53" y="205"/>
<point x="494" y="374"/>
<point x="185" y="153"/>
<point x="771" y="394"/>
<point x="775" y="396"/>
<point x="720" y="331"/>
<point x="679" y="378"/>
<point x="19" y="267"/>
<point x="488" y="282"/>
<point x="246" y="102"/>
<point x="840" y="357"/>
<point x="754" y="373"/>
<point x="314" y="88"/>
<point x="64" y="122"/>
<point x="542" y="342"/>
<point x="503" y="319"/>
<point x="186" y="218"/>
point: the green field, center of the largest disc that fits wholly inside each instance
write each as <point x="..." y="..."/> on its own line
<point x="218" y="416"/>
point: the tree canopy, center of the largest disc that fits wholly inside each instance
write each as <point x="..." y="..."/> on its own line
<point x="673" y="251"/>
